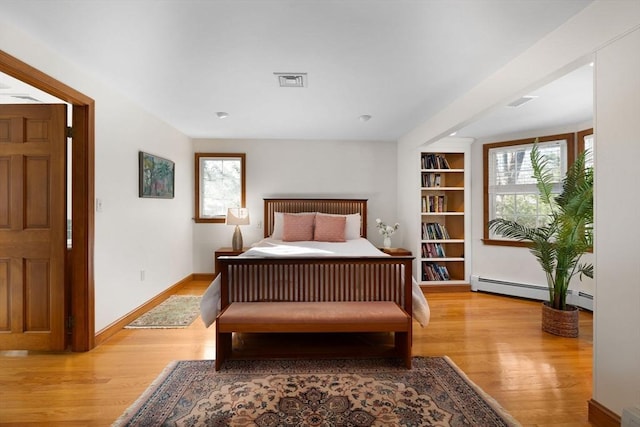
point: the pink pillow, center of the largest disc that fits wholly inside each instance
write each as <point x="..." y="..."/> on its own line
<point x="278" y="223"/>
<point x="297" y="227"/>
<point x="329" y="228"/>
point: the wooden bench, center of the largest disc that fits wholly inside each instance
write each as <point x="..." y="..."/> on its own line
<point x="310" y="317"/>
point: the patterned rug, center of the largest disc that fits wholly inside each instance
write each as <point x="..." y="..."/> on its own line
<point x="177" y="311"/>
<point x="338" y="393"/>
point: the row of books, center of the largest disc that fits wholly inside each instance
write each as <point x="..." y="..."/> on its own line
<point x="434" y="203"/>
<point x="434" y="231"/>
<point x="434" y="271"/>
<point x="433" y="250"/>
<point x="430" y="179"/>
<point x="434" y="161"/>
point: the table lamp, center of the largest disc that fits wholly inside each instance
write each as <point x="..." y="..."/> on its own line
<point x="237" y="217"/>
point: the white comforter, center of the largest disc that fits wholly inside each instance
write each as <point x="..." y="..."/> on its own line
<point x="210" y="303"/>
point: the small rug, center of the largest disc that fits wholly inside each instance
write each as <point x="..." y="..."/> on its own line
<point x="334" y="392"/>
<point x="177" y="311"/>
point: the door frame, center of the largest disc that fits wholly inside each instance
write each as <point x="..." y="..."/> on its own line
<point x="81" y="260"/>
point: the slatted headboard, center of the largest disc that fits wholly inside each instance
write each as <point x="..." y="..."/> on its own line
<point x="329" y="206"/>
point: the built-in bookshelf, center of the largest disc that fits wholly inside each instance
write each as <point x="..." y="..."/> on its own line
<point x="442" y="196"/>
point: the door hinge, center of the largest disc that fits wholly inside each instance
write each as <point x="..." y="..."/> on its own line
<point x="69" y="132"/>
<point x="71" y="322"/>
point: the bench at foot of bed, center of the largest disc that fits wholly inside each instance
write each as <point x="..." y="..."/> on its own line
<point x="313" y="317"/>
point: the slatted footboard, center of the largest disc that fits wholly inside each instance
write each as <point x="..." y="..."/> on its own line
<point x="276" y="295"/>
<point x="323" y="279"/>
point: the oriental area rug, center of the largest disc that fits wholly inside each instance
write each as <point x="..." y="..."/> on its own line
<point x="177" y="311"/>
<point x="374" y="392"/>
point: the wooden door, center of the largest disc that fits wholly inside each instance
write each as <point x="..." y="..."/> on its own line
<point x="32" y="226"/>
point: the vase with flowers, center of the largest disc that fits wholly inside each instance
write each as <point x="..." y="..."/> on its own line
<point x="386" y="231"/>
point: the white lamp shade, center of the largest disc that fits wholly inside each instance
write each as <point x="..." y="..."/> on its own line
<point x="238" y="216"/>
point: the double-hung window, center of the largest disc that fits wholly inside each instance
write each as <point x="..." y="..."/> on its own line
<point x="510" y="188"/>
<point x="219" y="185"/>
<point x="585" y="143"/>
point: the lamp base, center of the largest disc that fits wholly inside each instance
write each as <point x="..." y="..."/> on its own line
<point x="236" y="242"/>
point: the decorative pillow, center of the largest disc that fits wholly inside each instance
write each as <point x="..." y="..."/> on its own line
<point x="329" y="228"/>
<point x="297" y="227"/>
<point x="352" y="226"/>
<point x="352" y="229"/>
<point x="278" y="223"/>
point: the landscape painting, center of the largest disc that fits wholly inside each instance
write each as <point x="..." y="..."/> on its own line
<point x="157" y="176"/>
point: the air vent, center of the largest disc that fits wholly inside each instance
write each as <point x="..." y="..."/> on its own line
<point x="518" y="102"/>
<point x="292" y="79"/>
<point x="25" y="98"/>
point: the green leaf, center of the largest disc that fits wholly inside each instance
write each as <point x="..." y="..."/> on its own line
<point x="559" y="245"/>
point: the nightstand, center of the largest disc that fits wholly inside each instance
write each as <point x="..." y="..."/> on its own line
<point x="396" y="251"/>
<point x="223" y="252"/>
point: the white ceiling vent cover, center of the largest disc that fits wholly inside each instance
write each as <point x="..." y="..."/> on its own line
<point x="292" y="79"/>
<point x="518" y="102"/>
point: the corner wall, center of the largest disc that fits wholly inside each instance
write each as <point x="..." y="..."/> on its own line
<point x="616" y="369"/>
<point x="131" y="234"/>
<point x="601" y="27"/>
<point x="288" y="168"/>
<point x="511" y="264"/>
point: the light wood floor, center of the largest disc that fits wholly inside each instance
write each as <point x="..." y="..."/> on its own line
<point x="542" y="380"/>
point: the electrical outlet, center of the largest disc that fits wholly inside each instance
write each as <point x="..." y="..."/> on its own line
<point x="259" y="225"/>
<point x="142" y="275"/>
<point x="98" y="205"/>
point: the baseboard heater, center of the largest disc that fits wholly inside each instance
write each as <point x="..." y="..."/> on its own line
<point x="529" y="291"/>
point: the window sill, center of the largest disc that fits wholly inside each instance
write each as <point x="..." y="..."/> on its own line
<point x="210" y="220"/>
<point x="514" y="243"/>
<point x="497" y="242"/>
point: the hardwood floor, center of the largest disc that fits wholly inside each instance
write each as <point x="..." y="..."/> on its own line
<point x="542" y="380"/>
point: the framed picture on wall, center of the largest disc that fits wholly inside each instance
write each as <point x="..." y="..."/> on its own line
<point x="156" y="176"/>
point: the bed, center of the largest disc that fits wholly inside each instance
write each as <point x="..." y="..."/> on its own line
<point x="288" y="265"/>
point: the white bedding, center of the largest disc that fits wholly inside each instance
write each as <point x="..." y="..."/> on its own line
<point x="210" y="303"/>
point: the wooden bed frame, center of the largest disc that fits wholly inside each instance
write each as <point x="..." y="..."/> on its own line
<point x="328" y="206"/>
<point x="335" y="282"/>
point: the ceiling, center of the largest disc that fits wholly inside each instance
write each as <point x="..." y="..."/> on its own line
<point x="399" y="61"/>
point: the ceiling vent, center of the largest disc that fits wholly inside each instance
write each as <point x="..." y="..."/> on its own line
<point x="23" y="97"/>
<point x="518" y="102"/>
<point x="292" y="79"/>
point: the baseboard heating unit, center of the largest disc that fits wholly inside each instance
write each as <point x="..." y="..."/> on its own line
<point x="529" y="291"/>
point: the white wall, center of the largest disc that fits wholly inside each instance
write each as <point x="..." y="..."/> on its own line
<point x="617" y="321"/>
<point x="332" y="169"/>
<point x="130" y="233"/>
<point x="511" y="263"/>
<point x="598" y="28"/>
<point x="155" y="234"/>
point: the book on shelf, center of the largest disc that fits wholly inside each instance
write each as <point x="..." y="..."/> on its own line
<point x="434" y="203"/>
<point x="434" y="161"/>
<point x="434" y="231"/>
<point x="430" y="179"/>
<point x="432" y="271"/>
<point x="433" y="250"/>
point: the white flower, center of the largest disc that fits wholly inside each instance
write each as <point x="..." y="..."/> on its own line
<point x="386" y="230"/>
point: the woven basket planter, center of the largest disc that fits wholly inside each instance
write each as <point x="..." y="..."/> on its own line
<point x="563" y="323"/>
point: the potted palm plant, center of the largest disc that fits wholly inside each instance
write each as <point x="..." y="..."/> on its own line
<point x="559" y="244"/>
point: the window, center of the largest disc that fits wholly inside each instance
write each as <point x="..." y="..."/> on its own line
<point x="510" y="188"/>
<point x="219" y="185"/>
<point x="585" y="142"/>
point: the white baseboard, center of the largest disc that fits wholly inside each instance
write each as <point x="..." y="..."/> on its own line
<point x="529" y="291"/>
